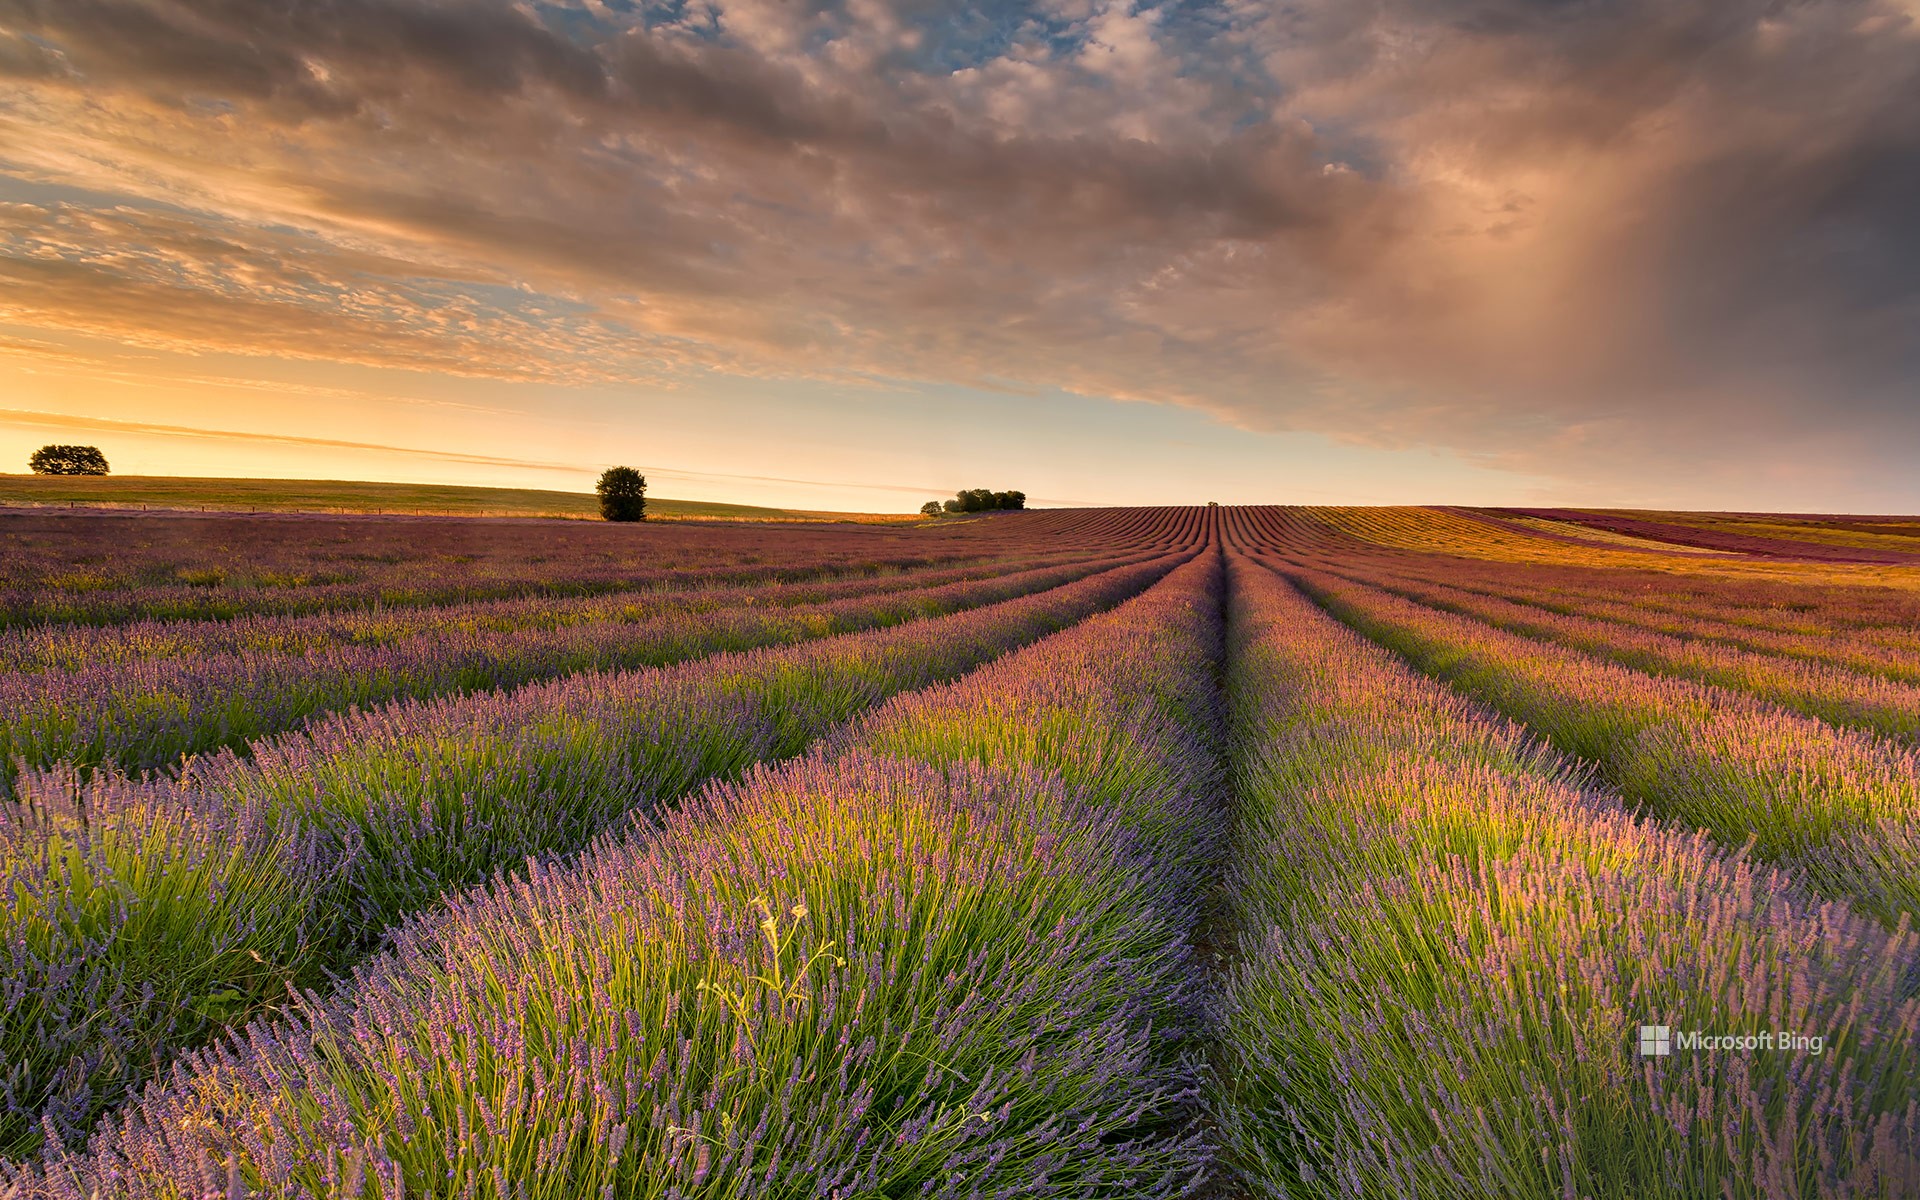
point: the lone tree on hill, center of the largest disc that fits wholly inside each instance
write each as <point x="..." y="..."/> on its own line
<point x="623" y="494"/>
<point x="930" y="509"/>
<point x="68" y="460"/>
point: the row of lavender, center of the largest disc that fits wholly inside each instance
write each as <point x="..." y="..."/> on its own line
<point x="948" y="954"/>
<point x="148" y="914"/>
<point x="1826" y="691"/>
<point x="1872" y="628"/>
<point x="1749" y="598"/>
<point x="1446" y="944"/>
<point x="54" y="648"/>
<point x="144" y="696"/>
<point x="106" y="568"/>
<point x="1886" y="651"/>
<point x="1838" y="808"/>
<point x="1769" y="607"/>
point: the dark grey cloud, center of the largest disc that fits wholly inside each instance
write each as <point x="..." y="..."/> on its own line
<point x="267" y="49"/>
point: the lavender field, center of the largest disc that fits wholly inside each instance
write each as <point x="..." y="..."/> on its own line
<point x="1159" y="852"/>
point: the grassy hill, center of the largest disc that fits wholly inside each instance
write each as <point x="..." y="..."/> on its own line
<point x="355" y="496"/>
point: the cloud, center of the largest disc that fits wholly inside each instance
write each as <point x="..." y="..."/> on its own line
<point x="1604" y="243"/>
<point x="46" y="420"/>
<point x="184" y="282"/>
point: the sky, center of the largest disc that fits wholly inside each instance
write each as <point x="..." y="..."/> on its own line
<point x="857" y="253"/>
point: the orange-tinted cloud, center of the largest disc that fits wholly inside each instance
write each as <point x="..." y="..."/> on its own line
<point x="31" y="419"/>
<point x="45" y="420"/>
<point x="1592" y="241"/>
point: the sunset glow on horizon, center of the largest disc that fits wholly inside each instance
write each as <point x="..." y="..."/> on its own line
<point x="854" y="254"/>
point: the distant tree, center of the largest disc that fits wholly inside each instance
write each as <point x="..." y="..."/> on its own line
<point x="68" y="460"/>
<point x="623" y="494"/>
<point x="985" y="500"/>
<point x="931" y="509"/>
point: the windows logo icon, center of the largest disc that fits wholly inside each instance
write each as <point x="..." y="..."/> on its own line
<point x="1656" y="1041"/>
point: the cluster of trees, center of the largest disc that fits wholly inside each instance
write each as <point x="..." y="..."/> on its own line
<point x="976" y="500"/>
<point x="623" y="494"/>
<point x="68" y="460"/>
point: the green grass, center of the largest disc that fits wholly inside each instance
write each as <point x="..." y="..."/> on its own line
<point x="360" y="496"/>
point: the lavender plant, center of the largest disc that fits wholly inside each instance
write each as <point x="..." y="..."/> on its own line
<point x="1447" y="941"/>
<point x="152" y="694"/>
<point x="864" y="973"/>
<point x="1826" y="692"/>
<point x="1787" y="628"/>
<point x="103" y="568"/>
<point x="54" y="648"/>
<point x="136" y="918"/>
<point x="1838" y="808"/>
<point x="406" y="803"/>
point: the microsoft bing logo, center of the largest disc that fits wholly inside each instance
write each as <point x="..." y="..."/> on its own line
<point x="1660" y="1041"/>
